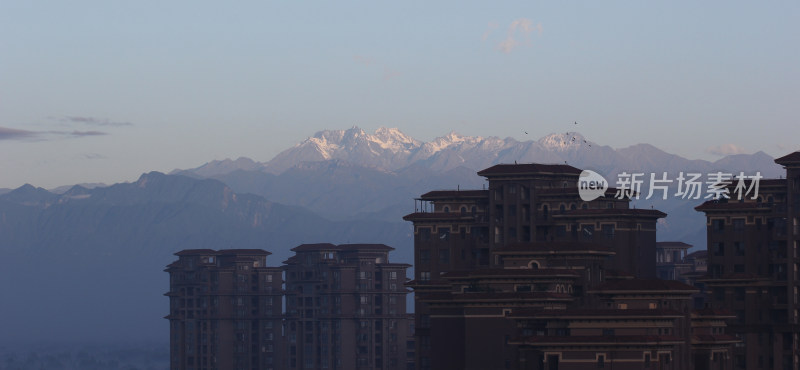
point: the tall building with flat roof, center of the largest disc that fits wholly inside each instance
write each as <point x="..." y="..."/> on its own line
<point x="225" y="310"/>
<point x="346" y="308"/>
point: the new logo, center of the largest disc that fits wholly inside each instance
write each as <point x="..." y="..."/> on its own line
<point x="591" y="185"/>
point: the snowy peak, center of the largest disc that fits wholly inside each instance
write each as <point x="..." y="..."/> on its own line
<point x="563" y="141"/>
<point x="453" y="138"/>
<point x="329" y="142"/>
<point x="393" y="139"/>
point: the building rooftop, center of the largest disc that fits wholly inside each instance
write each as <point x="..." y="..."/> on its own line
<point x="315" y="247"/>
<point x="341" y="247"/>
<point x="680" y="245"/>
<point x="698" y="254"/>
<point x="365" y="247"/>
<point x="713" y="205"/>
<point x="251" y="252"/>
<point x="195" y="252"/>
<point x="791" y="158"/>
<point x="437" y="216"/>
<point x="202" y="252"/>
<point x="529" y="168"/>
<point x="449" y="194"/>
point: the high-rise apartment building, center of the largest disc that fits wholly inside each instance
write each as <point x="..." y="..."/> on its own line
<point x="346" y="308"/>
<point x="225" y="310"/>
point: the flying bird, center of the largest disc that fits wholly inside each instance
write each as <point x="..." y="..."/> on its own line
<point x="576" y="122"/>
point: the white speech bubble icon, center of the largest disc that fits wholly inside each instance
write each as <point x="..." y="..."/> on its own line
<point x="591" y="185"/>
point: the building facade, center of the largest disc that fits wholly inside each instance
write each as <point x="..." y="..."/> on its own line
<point x="346" y="308"/>
<point x="753" y="266"/>
<point x="498" y="270"/>
<point x="225" y="310"/>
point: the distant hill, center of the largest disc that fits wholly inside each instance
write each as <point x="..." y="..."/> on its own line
<point x="89" y="262"/>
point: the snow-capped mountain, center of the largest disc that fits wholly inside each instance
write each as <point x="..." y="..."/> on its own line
<point x="391" y="149"/>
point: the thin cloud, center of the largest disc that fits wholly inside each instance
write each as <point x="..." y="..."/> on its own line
<point x="389" y="74"/>
<point x="87" y="133"/>
<point x="725" y="149"/>
<point x="94" y="156"/>
<point x="489" y="29"/>
<point x="15" y="134"/>
<point x="94" y="121"/>
<point x="520" y="29"/>
<point x="360" y="59"/>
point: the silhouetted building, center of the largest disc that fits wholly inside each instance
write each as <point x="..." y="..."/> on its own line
<point x="225" y="310"/>
<point x="527" y="275"/>
<point x="753" y="268"/>
<point x="670" y="260"/>
<point x="346" y="308"/>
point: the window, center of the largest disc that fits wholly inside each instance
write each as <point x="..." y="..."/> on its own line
<point x="719" y="249"/>
<point x="608" y="231"/>
<point x="444" y="256"/>
<point x="424" y="234"/>
<point x="601" y="361"/>
<point x="425" y="275"/>
<point x="393" y="275"/>
<point x="444" y="233"/>
<point x="739" y="247"/>
<point x="738" y="224"/>
<point x="588" y="231"/>
<point x="424" y="256"/>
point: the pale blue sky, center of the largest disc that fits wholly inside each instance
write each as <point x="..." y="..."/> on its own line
<point x="101" y="91"/>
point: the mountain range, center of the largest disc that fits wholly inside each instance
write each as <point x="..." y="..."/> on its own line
<point x="87" y="260"/>
<point x="348" y="174"/>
